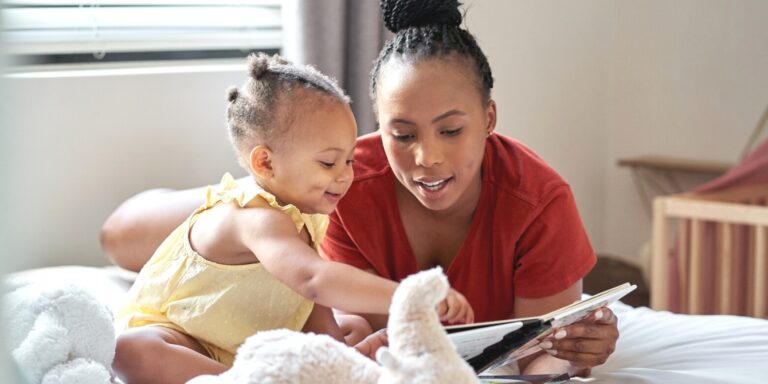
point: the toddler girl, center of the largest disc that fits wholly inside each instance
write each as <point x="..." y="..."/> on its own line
<point x="246" y="260"/>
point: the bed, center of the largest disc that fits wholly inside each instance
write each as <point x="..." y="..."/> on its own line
<point x="662" y="347"/>
<point x="654" y="347"/>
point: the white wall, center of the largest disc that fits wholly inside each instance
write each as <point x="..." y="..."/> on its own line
<point x="583" y="83"/>
<point x="7" y="375"/>
<point x="550" y="65"/>
<point x="690" y="79"/>
<point x="586" y="83"/>
<point x="82" y="144"/>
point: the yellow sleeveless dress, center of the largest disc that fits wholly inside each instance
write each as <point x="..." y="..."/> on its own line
<point x="218" y="305"/>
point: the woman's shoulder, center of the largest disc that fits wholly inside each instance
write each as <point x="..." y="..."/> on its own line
<point x="515" y="169"/>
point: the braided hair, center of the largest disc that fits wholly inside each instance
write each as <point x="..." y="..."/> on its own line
<point x="261" y="111"/>
<point x="429" y="28"/>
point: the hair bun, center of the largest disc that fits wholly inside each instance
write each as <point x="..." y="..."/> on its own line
<point x="402" y="14"/>
<point x="258" y="64"/>
<point x="232" y="93"/>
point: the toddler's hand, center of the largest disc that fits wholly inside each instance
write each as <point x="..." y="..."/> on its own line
<point x="455" y="309"/>
<point x="372" y="343"/>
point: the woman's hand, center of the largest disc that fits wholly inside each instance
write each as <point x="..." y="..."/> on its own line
<point x="587" y="343"/>
<point x="372" y="343"/>
<point x="455" y="309"/>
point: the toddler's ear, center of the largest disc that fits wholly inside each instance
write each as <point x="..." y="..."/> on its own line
<point x="260" y="162"/>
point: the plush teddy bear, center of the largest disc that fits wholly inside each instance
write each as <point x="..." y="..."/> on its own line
<point x="419" y="350"/>
<point x="59" y="333"/>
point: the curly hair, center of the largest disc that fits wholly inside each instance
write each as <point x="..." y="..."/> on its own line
<point x="261" y="110"/>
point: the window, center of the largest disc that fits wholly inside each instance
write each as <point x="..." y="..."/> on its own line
<point x="56" y="32"/>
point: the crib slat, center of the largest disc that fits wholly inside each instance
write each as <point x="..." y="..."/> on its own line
<point x="725" y="303"/>
<point x="660" y="258"/>
<point x="695" y="291"/>
<point x="683" y="256"/>
<point x="749" y="281"/>
<point x="759" y="304"/>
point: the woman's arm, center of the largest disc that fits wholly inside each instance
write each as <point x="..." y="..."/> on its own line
<point x="136" y="228"/>
<point x="376" y="321"/>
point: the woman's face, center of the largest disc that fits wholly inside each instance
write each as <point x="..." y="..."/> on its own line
<point x="434" y="123"/>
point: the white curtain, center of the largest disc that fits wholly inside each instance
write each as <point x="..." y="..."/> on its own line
<point x="341" y="38"/>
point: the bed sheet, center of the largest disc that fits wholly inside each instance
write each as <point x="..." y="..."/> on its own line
<point x="662" y="347"/>
<point x="654" y="347"/>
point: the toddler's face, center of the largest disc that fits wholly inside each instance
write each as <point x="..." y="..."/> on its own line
<point x="313" y="167"/>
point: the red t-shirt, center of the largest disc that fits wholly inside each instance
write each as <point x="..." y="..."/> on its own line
<point x="526" y="238"/>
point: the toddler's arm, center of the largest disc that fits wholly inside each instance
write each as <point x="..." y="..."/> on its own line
<point x="271" y="236"/>
<point x="321" y="320"/>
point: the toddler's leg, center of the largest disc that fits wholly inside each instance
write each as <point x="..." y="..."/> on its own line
<point x="321" y="320"/>
<point x="355" y="328"/>
<point x="161" y="355"/>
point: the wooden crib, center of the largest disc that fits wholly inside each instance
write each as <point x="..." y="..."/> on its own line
<point x="710" y="252"/>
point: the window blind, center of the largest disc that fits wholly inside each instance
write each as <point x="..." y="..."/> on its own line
<point x="97" y="30"/>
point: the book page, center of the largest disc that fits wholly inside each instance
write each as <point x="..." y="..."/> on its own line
<point x="528" y="379"/>
<point x="465" y="327"/>
<point x="583" y="308"/>
<point x="472" y="342"/>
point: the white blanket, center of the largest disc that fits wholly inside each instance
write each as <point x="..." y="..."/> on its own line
<point x="654" y="347"/>
<point x="661" y="347"/>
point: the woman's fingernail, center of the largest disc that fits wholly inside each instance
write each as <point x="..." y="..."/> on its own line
<point x="560" y="334"/>
<point x="599" y="314"/>
<point x="552" y="352"/>
<point x="545" y="344"/>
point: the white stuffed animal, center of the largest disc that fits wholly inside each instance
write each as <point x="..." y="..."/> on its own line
<point x="419" y="352"/>
<point x="419" y="349"/>
<point x="59" y="333"/>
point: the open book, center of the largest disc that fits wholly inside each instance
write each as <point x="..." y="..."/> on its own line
<point x="495" y="343"/>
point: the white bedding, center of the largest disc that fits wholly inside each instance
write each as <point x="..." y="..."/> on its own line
<point x="654" y="347"/>
<point x="661" y="347"/>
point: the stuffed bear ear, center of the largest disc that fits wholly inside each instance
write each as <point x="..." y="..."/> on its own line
<point x="387" y="359"/>
<point x="432" y="284"/>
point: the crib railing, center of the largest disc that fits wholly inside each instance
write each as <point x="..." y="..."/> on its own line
<point x="710" y="252"/>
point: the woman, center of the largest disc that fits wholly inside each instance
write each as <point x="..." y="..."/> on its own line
<point x="436" y="186"/>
